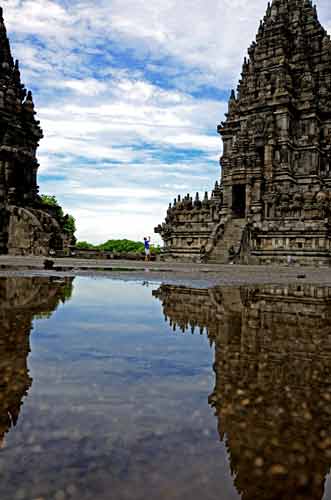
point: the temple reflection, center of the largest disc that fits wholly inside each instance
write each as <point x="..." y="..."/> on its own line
<point x="22" y="300"/>
<point x="272" y="395"/>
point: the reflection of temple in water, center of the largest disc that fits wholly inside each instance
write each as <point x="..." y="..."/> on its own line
<point x="22" y="300"/>
<point x="272" y="394"/>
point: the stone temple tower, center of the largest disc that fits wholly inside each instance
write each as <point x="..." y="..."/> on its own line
<point x="274" y="198"/>
<point x="26" y="225"/>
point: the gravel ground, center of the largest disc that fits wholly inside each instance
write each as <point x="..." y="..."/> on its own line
<point x="198" y="275"/>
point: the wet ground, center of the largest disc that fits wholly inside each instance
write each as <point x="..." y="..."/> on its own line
<point x="132" y="390"/>
<point x="190" y="274"/>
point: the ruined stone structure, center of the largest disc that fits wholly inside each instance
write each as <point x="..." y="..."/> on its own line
<point x="26" y="225"/>
<point x="273" y="382"/>
<point x="21" y="300"/>
<point x="274" y="197"/>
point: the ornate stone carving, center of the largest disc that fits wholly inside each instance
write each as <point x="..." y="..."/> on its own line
<point x="277" y="132"/>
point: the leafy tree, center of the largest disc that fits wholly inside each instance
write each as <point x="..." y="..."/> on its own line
<point x="118" y="246"/>
<point x="122" y="246"/>
<point x="69" y="225"/>
<point x="49" y="200"/>
<point x="68" y="221"/>
<point x="84" y="245"/>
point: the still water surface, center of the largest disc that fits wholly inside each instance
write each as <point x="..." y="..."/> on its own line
<point x="130" y="391"/>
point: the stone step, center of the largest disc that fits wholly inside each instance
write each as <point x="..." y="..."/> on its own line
<point x="232" y="237"/>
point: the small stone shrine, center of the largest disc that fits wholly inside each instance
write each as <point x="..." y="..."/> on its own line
<point x="27" y="226"/>
<point x="273" y="202"/>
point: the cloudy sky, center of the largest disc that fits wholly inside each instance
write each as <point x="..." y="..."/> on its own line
<point x="129" y="94"/>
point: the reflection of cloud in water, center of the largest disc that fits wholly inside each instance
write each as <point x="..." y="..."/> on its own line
<point x="114" y="328"/>
<point x="120" y="405"/>
<point x="102" y="292"/>
<point x="121" y="410"/>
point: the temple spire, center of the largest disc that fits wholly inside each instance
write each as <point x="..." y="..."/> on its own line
<point x="5" y="52"/>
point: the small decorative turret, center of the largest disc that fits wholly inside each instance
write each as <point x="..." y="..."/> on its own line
<point x="28" y="103"/>
<point x="205" y="202"/>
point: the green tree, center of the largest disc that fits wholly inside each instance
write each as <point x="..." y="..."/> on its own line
<point x="67" y="221"/>
<point x="48" y="199"/>
<point x="69" y="225"/>
<point x="84" y="245"/>
<point x="118" y="246"/>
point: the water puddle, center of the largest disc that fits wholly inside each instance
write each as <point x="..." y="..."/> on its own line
<point x="132" y="391"/>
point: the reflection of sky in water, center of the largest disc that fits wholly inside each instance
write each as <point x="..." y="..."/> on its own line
<point x="118" y="406"/>
<point x="327" y="493"/>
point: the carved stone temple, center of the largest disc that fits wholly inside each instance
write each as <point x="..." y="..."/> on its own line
<point x="27" y="226"/>
<point x="273" y="202"/>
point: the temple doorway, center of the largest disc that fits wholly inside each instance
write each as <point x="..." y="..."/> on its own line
<point x="239" y="201"/>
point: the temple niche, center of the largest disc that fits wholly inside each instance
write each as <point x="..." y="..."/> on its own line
<point x="274" y="196"/>
<point x="27" y="226"/>
<point x="22" y="300"/>
<point x="272" y="395"/>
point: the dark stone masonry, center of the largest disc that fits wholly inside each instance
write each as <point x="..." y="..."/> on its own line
<point x="27" y="226"/>
<point x="273" y="203"/>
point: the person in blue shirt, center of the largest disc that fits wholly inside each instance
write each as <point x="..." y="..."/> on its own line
<point x="147" y="242"/>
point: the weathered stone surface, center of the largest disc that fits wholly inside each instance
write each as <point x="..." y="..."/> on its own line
<point x="26" y="225"/>
<point x="274" y="198"/>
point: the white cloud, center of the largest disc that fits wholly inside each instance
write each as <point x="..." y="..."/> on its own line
<point x="123" y="193"/>
<point x="121" y="95"/>
<point x="130" y="126"/>
<point x="87" y="87"/>
<point x="194" y="141"/>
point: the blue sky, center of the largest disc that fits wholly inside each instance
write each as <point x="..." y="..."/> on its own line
<point x="129" y="94"/>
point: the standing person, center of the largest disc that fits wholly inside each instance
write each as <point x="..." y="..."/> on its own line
<point x="232" y="254"/>
<point x="147" y="247"/>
